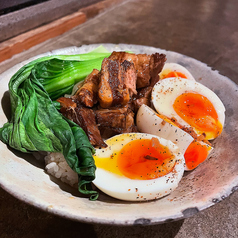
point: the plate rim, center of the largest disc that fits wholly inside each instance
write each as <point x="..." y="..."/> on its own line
<point x="187" y="212"/>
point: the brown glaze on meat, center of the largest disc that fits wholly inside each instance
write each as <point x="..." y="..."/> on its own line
<point x="143" y="70"/>
<point x="141" y="63"/>
<point x="122" y="56"/>
<point x="128" y="76"/>
<point x="118" y="120"/>
<point x="66" y="103"/>
<point x="147" y="66"/>
<point x="120" y="94"/>
<point x="88" y="93"/>
<point x="117" y="83"/>
<point x="104" y="90"/>
<point x="143" y="97"/>
<point x="84" y="117"/>
<point x="157" y="62"/>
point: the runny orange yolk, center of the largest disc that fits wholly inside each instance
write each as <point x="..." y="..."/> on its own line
<point x="145" y="159"/>
<point x="174" y="74"/>
<point x="198" y="112"/>
<point x="195" y="154"/>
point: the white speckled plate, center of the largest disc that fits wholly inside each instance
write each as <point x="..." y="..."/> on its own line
<point x="24" y="177"/>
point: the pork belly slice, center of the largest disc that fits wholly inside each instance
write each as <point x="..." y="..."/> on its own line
<point x="157" y="62"/>
<point x="143" y="70"/>
<point x="128" y="76"/>
<point x="117" y="83"/>
<point x="141" y="63"/>
<point x="67" y="103"/>
<point x="84" y="117"/>
<point x="118" y="120"/>
<point x="122" y="56"/>
<point x="143" y="97"/>
<point x="88" y="93"/>
<point x="147" y="66"/>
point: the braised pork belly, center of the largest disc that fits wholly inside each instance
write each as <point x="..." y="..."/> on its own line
<point x="117" y="83"/>
<point x="88" y="93"/>
<point x="157" y="62"/>
<point x="84" y="117"/>
<point x="109" y="99"/>
<point x="117" y="120"/>
<point x="147" y="66"/>
<point x="143" y="97"/>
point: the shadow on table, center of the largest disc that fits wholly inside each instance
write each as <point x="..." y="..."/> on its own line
<point x="22" y="220"/>
<point x="166" y="230"/>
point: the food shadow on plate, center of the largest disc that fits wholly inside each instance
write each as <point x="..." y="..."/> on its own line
<point x="34" y="159"/>
<point x="103" y="198"/>
<point x="74" y="191"/>
<point x="5" y="102"/>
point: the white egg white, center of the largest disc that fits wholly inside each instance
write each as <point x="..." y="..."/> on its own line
<point x="119" y="186"/>
<point x="148" y="121"/>
<point x="167" y="90"/>
<point x="173" y="67"/>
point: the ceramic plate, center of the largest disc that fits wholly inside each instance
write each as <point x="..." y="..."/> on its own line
<point x="24" y="176"/>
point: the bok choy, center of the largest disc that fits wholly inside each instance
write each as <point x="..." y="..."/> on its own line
<point x="37" y="125"/>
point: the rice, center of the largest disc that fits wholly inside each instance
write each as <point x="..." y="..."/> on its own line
<point x="57" y="166"/>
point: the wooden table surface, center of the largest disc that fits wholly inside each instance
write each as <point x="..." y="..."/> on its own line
<point x="206" y="30"/>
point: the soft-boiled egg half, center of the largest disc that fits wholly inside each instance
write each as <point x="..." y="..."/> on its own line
<point x="138" y="167"/>
<point x="195" y="152"/>
<point x="148" y="121"/>
<point x="190" y="105"/>
<point x="175" y="70"/>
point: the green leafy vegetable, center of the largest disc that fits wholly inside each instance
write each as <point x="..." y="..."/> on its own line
<point x="36" y="124"/>
<point x="58" y="82"/>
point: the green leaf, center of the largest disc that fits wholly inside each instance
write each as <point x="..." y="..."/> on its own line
<point x="36" y="124"/>
<point x="59" y="76"/>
